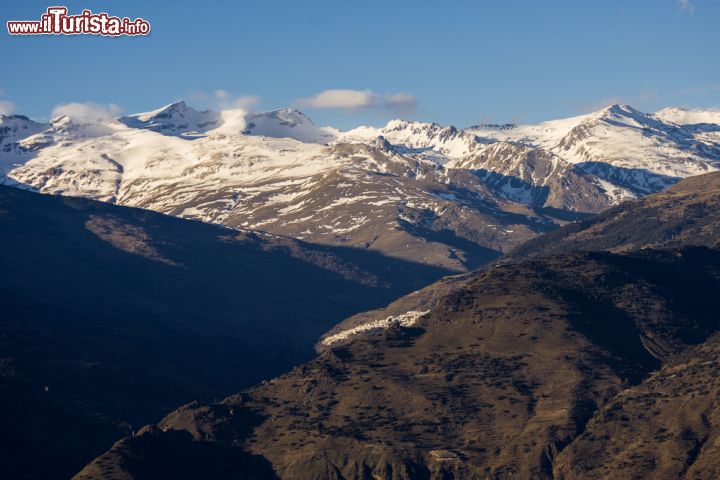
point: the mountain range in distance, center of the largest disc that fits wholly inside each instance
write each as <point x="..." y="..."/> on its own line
<point x="438" y="195"/>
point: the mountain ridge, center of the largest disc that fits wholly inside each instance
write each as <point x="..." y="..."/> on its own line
<point x="440" y="195"/>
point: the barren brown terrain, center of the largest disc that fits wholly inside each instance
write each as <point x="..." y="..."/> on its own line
<point x="571" y="364"/>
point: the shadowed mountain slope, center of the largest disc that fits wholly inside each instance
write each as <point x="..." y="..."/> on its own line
<point x="112" y="316"/>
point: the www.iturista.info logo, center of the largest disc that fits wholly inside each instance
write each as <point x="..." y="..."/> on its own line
<point x="56" y="21"/>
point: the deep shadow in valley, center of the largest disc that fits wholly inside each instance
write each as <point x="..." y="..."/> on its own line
<point x="113" y="316"/>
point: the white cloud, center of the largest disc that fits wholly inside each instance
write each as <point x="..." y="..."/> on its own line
<point x="233" y="109"/>
<point x="224" y="100"/>
<point x="87" y="111"/>
<point x="6" y="107"/>
<point x="233" y="121"/>
<point x="221" y="94"/>
<point x="245" y="101"/>
<point x="401" y="102"/>
<point x="686" y="6"/>
<point x="346" y="99"/>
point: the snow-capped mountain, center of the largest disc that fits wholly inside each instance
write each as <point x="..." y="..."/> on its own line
<point x="683" y="116"/>
<point x="421" y="191"/>
<point x="426" y="140"/>
<point x="14" y="128"/>
<point x="288" y="123"/>
<point x="175" y="119"/>
<point x="630" y="152"/>
<point x="637" y="151"/>
<point x="539" y="177"/>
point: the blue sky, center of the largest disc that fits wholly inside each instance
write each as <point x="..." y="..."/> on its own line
<point x="454" y="62"/>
